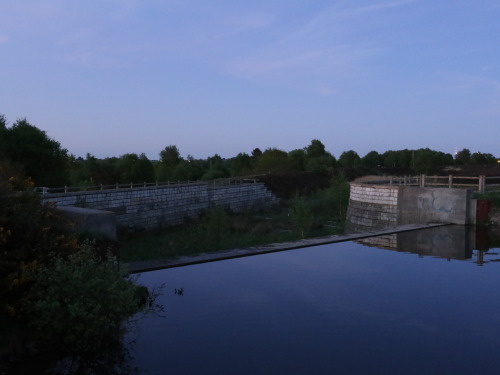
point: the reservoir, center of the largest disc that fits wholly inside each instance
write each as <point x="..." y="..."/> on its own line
<point x="420" y="302"/>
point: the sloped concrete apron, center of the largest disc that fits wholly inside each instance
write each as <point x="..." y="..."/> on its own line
<point x="145" y="266"/>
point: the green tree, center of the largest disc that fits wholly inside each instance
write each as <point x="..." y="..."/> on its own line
<point x="427" y="160"/>
<point x="463" y="157"/>
<point x="43" y="159"/>
<point x="317" y="158"/>
<point x="124" y="167"/>
<point x="315" y="149"/>
<point x="398" y="159"/>
<point x="349" y="159"/>
<point x="273" y="160"/>
<point x="298" y="159"/>
<point x="143" y="170"/>
<point x="478" y="158"/>
<point x="241" y="165"/>
<point x="372" y="160"/>
<point x="170" y="156"/>
<point x="217" y="168"/>
<point x="169" y="159"/>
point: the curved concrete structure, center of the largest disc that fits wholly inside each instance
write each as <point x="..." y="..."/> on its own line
<point x="380" y="206"/>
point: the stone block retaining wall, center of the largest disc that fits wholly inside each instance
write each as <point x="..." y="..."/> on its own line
<point x="162" y="206"/>
<point x="372" y="207"/>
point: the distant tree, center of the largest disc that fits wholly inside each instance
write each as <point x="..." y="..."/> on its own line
<point x="463" y="157"/>
<point x="349" y="159"/>
<point x="273" y="160"/>
<point x="241" y="164"/>
<point x="256" y="152"/>
<point x="170" y="156"/>
<point x="124" y="167"/>
<point x="478" y="158"/>
<point x="315" y="149"/>
<point x="142" y="170"/>
<point x="297" y="159"/>
<point x="398" y="159"/>
<point x="43" y="159"/>
<point x="217" y="168"/>
<point x="3" y="135"/>
<point x="372" y="160"/>
<point x="105" y="171"/>
<point x="427" y="160"/>
<point x="317" y="158"/>
<point x="169" y="159"/>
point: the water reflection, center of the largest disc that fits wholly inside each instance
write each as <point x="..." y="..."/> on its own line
<point x="341" y="308"/>
<point x="459" y="242"/>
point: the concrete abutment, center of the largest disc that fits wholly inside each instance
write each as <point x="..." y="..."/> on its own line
<point x="379" y="206"/>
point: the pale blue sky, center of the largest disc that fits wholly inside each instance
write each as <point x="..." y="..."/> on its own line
<point x="110" y="77"/>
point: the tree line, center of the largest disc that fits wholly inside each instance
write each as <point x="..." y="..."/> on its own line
<point x="29" y="150"/>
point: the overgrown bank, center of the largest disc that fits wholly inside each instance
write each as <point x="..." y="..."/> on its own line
<point x="311" y="205"/>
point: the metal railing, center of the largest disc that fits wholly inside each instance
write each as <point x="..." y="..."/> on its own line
<point x="481" y="184"/>
<point x="83" y="188"/>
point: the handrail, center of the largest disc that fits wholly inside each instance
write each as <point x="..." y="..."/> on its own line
<point x="479" y="183"/>
<point x="84" y="188"/>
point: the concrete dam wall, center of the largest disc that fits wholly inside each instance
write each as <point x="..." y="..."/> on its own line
<point x="381" y="206"/>
<point x="162" y="206"/>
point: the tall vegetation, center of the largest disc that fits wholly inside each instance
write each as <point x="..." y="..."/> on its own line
<point x="63" y="299"/>
<point x="48" y="164"/>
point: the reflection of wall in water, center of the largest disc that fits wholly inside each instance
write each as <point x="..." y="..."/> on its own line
<point x="450" y="242"/>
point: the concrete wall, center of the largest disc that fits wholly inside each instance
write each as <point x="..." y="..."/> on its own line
<point x="380" y="206"/>
<point x="433" y="205"/>
<point x="162" y="206"/>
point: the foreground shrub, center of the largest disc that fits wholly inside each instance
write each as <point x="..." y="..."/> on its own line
<point x="79" y="304"/>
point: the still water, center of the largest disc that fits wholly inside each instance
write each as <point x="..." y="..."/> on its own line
<point x="423" y="302"/>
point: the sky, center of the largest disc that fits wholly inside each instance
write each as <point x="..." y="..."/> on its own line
<point x="109" y="77"/>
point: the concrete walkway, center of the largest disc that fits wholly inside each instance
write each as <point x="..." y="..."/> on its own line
<point x="151" y="265"/>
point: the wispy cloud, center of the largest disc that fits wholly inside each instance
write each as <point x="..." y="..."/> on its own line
<point x="3" y="39"/>
<point x="325" y="45"/>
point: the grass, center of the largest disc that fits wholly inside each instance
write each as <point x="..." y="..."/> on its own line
<point x="320" y="214"/>
<point x="493" y="197"/>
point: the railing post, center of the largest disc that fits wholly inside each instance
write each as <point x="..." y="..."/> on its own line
<point x="390" y="180"/>
<point x="102" y="187"/>
<point x="117" y="186"/>
<point x="450" y="181"/>
<point x="482" y="184"/>
<point x="65" y="189"/>
<point x="422" y="180"/>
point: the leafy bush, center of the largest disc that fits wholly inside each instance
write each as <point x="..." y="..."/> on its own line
<point x="29" y="232"/>
<point x="79" y="304"/>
